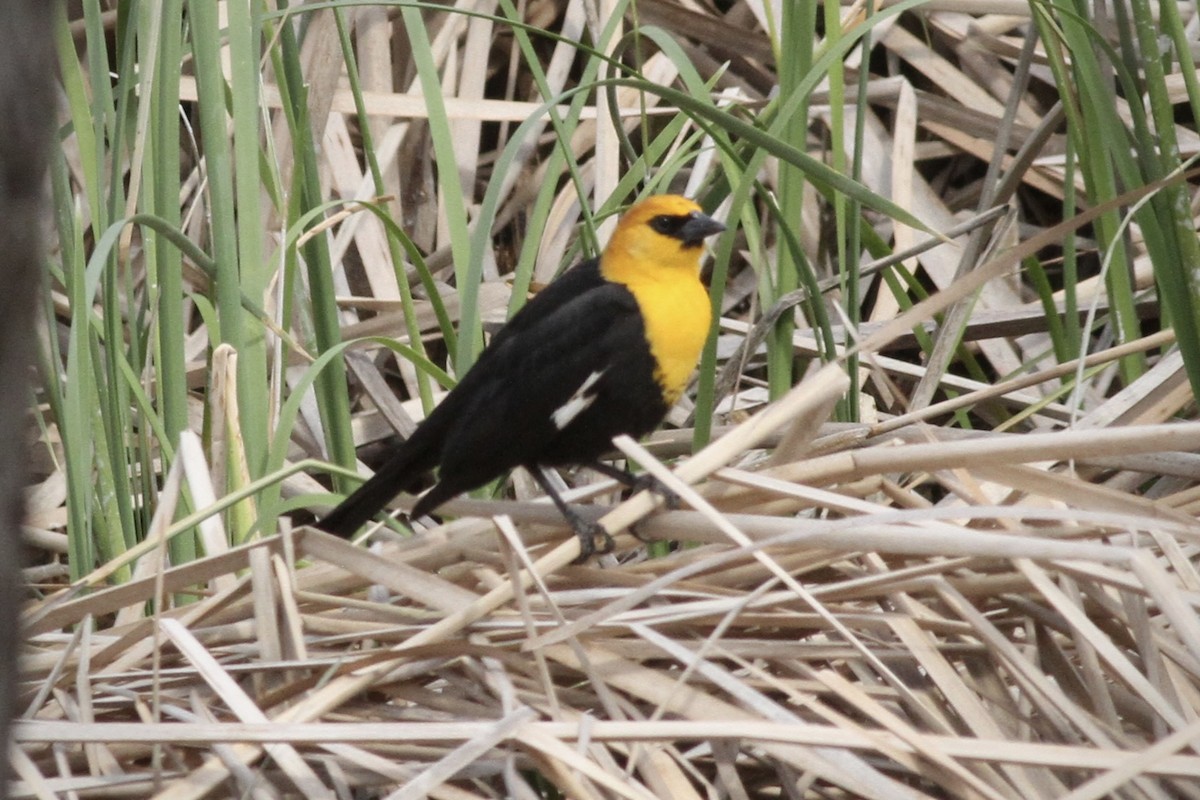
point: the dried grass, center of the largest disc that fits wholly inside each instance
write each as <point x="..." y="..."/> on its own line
<point x="974" y="666"/>
<point x="1037" y="635"/>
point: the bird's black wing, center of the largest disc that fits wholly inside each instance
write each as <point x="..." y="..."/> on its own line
<point x="575" y="282"/>
<point x="568" y="373"/>
<point x="532" y="365"/>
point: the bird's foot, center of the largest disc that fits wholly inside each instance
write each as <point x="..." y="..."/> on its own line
<point x="588" y="532"/>
<point x="649" y="483"/>
<point x="638" y="483"/>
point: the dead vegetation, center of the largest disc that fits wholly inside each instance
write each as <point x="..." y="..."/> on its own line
<point x="894" y="608"/>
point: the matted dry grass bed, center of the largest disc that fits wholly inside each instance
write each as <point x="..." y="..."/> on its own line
<point x="1037" y="637"/>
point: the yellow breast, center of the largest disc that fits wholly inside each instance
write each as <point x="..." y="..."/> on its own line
<point x="677" y="315"/>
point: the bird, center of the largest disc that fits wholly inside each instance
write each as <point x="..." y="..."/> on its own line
<point x="605" y="349"/>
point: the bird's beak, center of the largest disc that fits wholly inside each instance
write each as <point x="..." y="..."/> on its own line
<point x="698" y="228"/>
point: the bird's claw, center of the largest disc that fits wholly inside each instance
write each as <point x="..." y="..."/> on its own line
<point x="649" y="483"/>
<point x="588" y="532"/>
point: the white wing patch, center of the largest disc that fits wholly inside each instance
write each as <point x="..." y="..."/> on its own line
<point x="578" y="402"/>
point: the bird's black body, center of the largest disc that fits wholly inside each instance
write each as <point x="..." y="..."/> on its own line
<point x="604" y="350"/>
<point x="582" y="332"/>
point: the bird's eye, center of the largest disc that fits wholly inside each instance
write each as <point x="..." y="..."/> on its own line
<point x="667" y="224"/>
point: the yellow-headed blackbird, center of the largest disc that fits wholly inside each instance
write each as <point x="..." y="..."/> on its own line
<point x="606" y="349"/>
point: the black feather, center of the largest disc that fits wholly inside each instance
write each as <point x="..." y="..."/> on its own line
<point x="500" y="415"/>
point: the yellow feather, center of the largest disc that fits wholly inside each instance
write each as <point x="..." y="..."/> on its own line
<point x="664" y="277"/>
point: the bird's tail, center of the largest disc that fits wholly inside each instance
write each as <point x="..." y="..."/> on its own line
<point x="401" y="472"/>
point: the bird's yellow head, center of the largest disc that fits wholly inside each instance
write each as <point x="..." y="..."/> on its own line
<point x="662" y="233"/>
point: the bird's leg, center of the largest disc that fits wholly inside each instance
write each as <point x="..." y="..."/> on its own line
<point x="637" y="483"/>
<point x="586" y="530"/>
